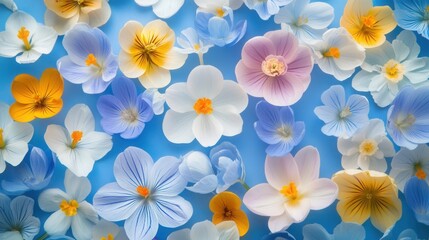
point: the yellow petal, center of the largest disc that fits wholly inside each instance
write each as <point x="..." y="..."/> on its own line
<point x="353" y="11"/>
<point x="369" y="39"/>
<point x="385" y="213"/>
<point x="385" y="19"/>
<point x="22" y="112"/>
<point x="88" y="6"/>
<point x="52" y="108"/>
<point x="224" y="200"/>
<point x="51" y="84"/>
<point x="242" y="222"/>
<point x="158" y="32"/>
<point x="24" y="88"/>
<point x="63" y="8"/>
<point x="127" y="35"/>
<point x="353" y="209"/>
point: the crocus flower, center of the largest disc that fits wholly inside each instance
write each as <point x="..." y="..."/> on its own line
<point x="413" y="15"/>
<point x="207" y="230"/>
<point x="343" y="231"/>
<point x="277" y="127"/>
<point x="16" y="218"/>
<point x="90" y="61"/>
<point x="416" y="193"/>
<point x="275" y="67"/>
<point x="148" y="53"/>
<point x="145" y="192"/>
<point x="197" y="169"/>
<point x="407" y="117"/>
<point x="78" y="146"/>
<point x="367" y="24"/>
<point x="308" y="21"/>
<point x="205" y="107"/>
<point x="220" y="28"/>
<point x="190" y="42"/>
<point x="156" y="99"/>
<point x="62" y="15"/>
<point x="226" y="206"/>
<point x="162" y="8"/>
<point x="266" y="9"/>
<point x="33" y="173"/>
<point x="283" y="235"/>
<point x="37" y="99"/>
<point x="367" y="148"/>
<point x="24" y="35"/>
<point x="368" y="194"/>
<point x="408" y="163"/>
<point x="9" y="4"/>
<point x="338" y="54"/>
<point x="217" y="7"/>
<point x="70" y="208"/>
<point x="293" y="189"/>
<point x="105" y="230"/>
<point x="124" y="112"/>
<point x="14" y="138"/>
<point x="390" y="67"/>
<point x="342" y="117"/>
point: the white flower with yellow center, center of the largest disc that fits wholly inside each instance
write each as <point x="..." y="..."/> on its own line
<point x="24" y="35"/>
<point x="78" y="146"/>
<point x="367" y="148"/>
<point x="390" y="67"/>
<point x="105" y="230"/>
<point x="70" y="208"/>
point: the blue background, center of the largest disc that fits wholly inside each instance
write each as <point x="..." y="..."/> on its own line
<point x="152" y="139"/>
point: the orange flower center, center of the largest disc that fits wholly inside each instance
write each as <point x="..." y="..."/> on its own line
<point x="92" y="60"/>
<point x="203" y="106"/>
<point x="143" y="191"/>
<point x="197" y="47"/>
<point x="69" y="207"/>
<point x="369" y="21"/>
<point x="368" y="147"/>
<point x="76" y="136"/>
<point x="332" y="52"/>
<point x="227" y="213"/>
<point x="2" y="142"/>
<point x="421" y="174"/>
<point x="220" y="12"/>
<point x="393" y="71"/>
<point x="273" y="67"/>
<point x="345" y="113"/>
<point x="23" y="35"/>
<point x="290" y="192"/>
<point x="108" y="237"/>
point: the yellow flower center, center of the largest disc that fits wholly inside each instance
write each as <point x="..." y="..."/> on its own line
<point x="333" y="52"/>
<point x="369" y="21"/>
<point x="150" y="49"/>
<point x="404" y="123"/>
<point x="220" y="12"/>
<point x="427" y="8"/>
<point x="345" y="112"/>
<point x="203" y="106"/>
<point x="69" y="207"/>
<point x="290" y="192"/>
<point x="92" y="60"/>
<point x="143" y="191"/>
<point x="76" y="136"/>
<point x="2" y="142"/>
<point x="80" y="1"/>
<point x="284" y="132"/>
<point x="108" y="237"/>
<point x="130" y="115"/>
<point x="421" y="174"/>
<point x="197" y="47"/>
<point x="394" y="71"/>
<point x="23" y="35"/>
<point x="368" y="147"/>
<point x="301" y="21"/>
<point x="273" y="67"/>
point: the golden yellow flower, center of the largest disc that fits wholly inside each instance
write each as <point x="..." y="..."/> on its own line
<point x="148" y="53"/>
<point x="368" y="194"/>
<point x="367" y="24"/>
<point x="37" y="99"/>
<point x="226" y="207"/>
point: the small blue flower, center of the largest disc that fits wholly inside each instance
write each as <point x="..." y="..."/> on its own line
<point x="413" y="15"/>
<point x="407" y="121"/>
<point x="267" y="8"/>
<point x="343" y="231"/>
<point x="408" y="234"/>
<point x="279" y="236"/>
<point x="416" y="193"/>
<point x="124" y="112"/>
<point x="33" y="173"/>
<point x="220" y="29"/>
<point x="16" y="218"/>
<point x="157" y="100"/>
<point x="342" y="118"/>
<point x="277" y="127"/>
<point x="190" y="42"/>
<point x="196" y="168"/>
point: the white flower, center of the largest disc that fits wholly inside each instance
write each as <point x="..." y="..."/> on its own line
<point x="14" y="138"/>
<point x="218" y="7"/>
<point x="338" y="53"/>
<point x="9" y="4"/>
<point x="70" y="208"/>
<point x="24" y="35"/>
<point x="78" y="146"/>
<point x="105" y="230"/>
<point x="367" y="148"/>
<point x="196" y="168"/>
<point x="308" y="21"/>
<point x="205" y="108"/>
<point x="206" y="230"/>
<point x="156" y="98"/>
<point x="162" y="8"/>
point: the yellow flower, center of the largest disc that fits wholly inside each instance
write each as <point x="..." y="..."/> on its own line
<point x="366" y="23"/>
<point x="37" y="99"/>
<point x="226" y="207"/>
<point x="368" y="194"/>
<point x="148" y="53"/>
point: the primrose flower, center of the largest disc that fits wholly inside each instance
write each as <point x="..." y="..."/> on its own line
<point x="207" y="230"/>
<point x="24" y="35"/>
<point x="90" y="61"/>
<point x="367" y="24"/>
<point x="343" y="231"/>
<point x="413" y="15"/>
<point x="308" y="21"/>
<point x="9" y="4"/>
<point x="162" y="8"/>
<point x="78" y="146"/>
<point x="293" y="189"/>
<point x="368" y="194"/>
<point x="145" y="192"/>
<point x="217" y="7"/>
<point x="148" y="53"/>
<point x="105" y="230"/>
<point x="416" y="194"/>
<point x="275" y="67"/>
<point x="70" y="208"/>
<point x="266" y="9"/>
<point x="62" y="15"/>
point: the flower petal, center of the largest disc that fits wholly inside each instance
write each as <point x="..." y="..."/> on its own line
<point x="177" y="127"/>
<point x="136" y="230"/>
<point x="172" y="211"/>
<point x="205" y="81"/>
<point x="281" y="171"/>
<point x="57" y="224"/>
<point x="207" y="130"/>
<point x="165" y="178"/>
<point x="264" y="200"/>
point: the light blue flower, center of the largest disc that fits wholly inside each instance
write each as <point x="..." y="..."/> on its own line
<point x="408" y="234"/>
<point x="157" y="100"/>
<point x="279" y="236"/>
<point x="416" y="193"/>
<point x="197" y="169"/>
<point x="407" y="118"/>
<point x="145" y="192"/>
<point x="267" y="8"/>
<point x="342" y="117"/>
<point x="343" y="231"/>
<point x="124" y="112"/>
<point x="220" y="30"/>
<point x="90" y="61"/>
<point x="413" y="15"/>
<point x="190" y="42"/>
<point x="33" y="173"/>
<point x="277" y="127"/>
<point x="16" y="218"/>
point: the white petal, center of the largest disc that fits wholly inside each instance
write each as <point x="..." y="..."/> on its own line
<point x="128" y="67"/>
<point x="184" y="234"/>
<point x="308" y="162"/>
<point x="231" y="121"/>
<point x="174" y="59"/>
<point x="146" y="3"/>
<point x="278" y="223"/>
<point x="14" y="152"/>
<point x="104" y="227"/>
<point x="11" y="46"/>
<point x="100" y="16"/>
<point x="298" y="211"/>
<point x="280" y="171"/>
<point x="264" y="200"/>
<point x="127" y="34"/>
<point x="57" y="138"/>
<point x="61" y="25"/>
<point x="16" y="131"/>
<point x="21" y="19"/>
<point x="44" y="39"/>
<point x="232" y="94"/>
<point x="80" y="118"/>
<point x="350" y="162"/>
<point x="96" y="144"/>
<point x="84" y="222"/>
<point x="157" y="78"/>
<point x="77" y="188"/>
<point x="322" y="193"/>
<point x="178" y="98"/>
<point x="204" y="230"/>
<point x="50" y="199"/>
<point x="167" y="8"/>
<point x="207" y="130"/>
<point x="177" y="127"/>
<point x="205" y="81"/>
<point x="228" y="230"/>
<point x="57" y="224"/>
<point x="28" y="57"/>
